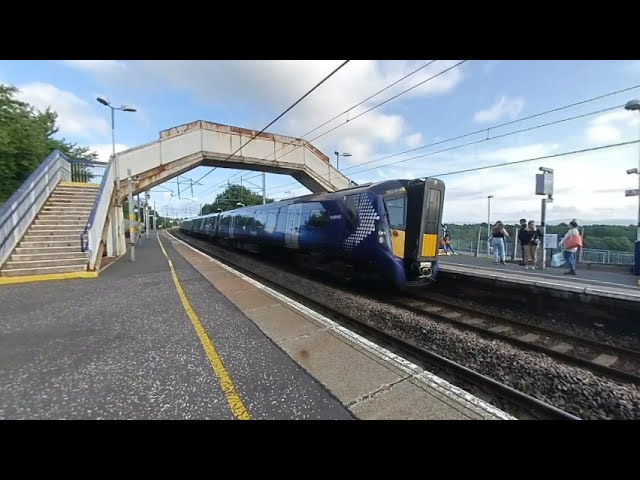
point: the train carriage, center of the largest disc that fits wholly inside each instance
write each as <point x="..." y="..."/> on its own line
<point x="389" y="229"/>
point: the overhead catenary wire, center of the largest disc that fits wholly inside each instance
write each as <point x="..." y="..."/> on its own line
<point x="544" y="157"/>
<point x="386" y="157"/>
<point x="351" y="120"/>
<point x="349" y="109"/>
<point x="327" y="77"/>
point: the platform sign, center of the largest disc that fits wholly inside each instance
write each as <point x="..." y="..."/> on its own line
<point x="551" y="240"/>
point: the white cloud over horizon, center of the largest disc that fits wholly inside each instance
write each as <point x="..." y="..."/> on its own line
<point x="104" y="150"/>
<point x="75" y="115"/>
<point x="505" y="107"/>
<point x="274" y="85"/>
<point x="587" y="186"/>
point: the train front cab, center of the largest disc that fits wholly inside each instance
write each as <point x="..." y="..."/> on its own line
<point x="414" y="221"/>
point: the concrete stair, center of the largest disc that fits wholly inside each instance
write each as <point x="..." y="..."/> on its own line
<point x="52" y="242"/>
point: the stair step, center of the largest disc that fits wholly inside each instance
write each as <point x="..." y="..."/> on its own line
<point x="73" y="192"/>
<point x="51" y="243"/>
<point x="87" y="195"/>
<point x="66" y="208"/>
<point x="25" y="257"/>
<point x="53" y="221"/>
<point x="42" y="229"/>
<point x="29" y="237"/>
<point x="65" y="215"/>
<point x="57" y="262"/>
<point x="48" y="234"/>
<point x="33" y="250"/>
<point x="68" y="203"/>
<point x="42" y="270"/>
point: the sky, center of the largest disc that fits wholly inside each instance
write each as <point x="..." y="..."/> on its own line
<point x="474" y="96"/>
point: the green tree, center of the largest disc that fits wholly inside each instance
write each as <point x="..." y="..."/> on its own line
<point x="232" y="195"/>
<point x="26" y="139"/>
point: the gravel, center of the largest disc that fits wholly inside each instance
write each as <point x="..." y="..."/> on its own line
<point x="548" y="321"/>
<point x="573" y="389"/>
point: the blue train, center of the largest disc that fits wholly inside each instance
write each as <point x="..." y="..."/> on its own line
<point x="388" y="230"/>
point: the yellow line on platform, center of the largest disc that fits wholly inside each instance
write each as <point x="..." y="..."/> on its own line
<point x="50" y="276"/>
<point x="235" y="403"/>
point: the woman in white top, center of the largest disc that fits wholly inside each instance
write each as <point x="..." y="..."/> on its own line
<point x="570" y="253"/>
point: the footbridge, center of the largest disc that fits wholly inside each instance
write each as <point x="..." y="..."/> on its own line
<point x="90" y="219"/>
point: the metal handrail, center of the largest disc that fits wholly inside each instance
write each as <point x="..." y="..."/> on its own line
<point x="84" y="236"/>
<point x="41" y="178"/>
<point x="53" y="156"/>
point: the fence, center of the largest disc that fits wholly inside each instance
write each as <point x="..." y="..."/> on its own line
<point x="605" y="257"/>
<point x="87" y="172"/>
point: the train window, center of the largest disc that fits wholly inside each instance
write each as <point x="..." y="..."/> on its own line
<point x="352" y="212"/>
<point x="318" y="218"/>
<point x="282" y="220"/>
<point x="271" y="220"/>
<point x="434" y="205"/>
<point x="396" y="212"/>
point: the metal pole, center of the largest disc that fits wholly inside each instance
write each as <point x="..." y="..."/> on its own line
<point x="638" y="229"/>
<point x="114" y="226"/>
<point x="337" y="161"/>
<point x="264" y="188"/>
<point x="146" y="214"/>
<point x="131" y="216"/>
<point x="137" y="208"/>
<point x="544" y="232"/>
<point x="478" y="244"/>
<point x="155" y="217"/>
<point x="488" y="223"/>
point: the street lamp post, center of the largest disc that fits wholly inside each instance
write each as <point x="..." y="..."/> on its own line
<point x="124" y="108"/>
<point x="338" y="155"/>
<point x="634" y="105"/>
<point x="544" y="186"/>
<point x="489" y="197"/>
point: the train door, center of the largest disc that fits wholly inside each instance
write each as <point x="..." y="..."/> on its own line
<point x="424" y="214"/>
<point x="232" y="221"/>
<point x="432" y="219"/>
<point x="292" y="231"/>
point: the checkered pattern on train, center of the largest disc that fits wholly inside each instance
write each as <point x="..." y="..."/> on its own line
<point x="367" y="216"/>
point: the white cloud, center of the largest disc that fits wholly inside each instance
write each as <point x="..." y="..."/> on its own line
<point x="504" y="108"/>
<point x="96" y="66"/>
<point x="104" y="150"/>
<point x="603" y="133"/>
<point x="413" y="140"/>
<point x="75" y="116"/>
<point x="587" y="186"/>
<point x="609" y="127"/>
<point x="274" y="85"/>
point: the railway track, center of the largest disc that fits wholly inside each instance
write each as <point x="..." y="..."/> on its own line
<point x="613" y="361"/>
<point x="519" y="404"/>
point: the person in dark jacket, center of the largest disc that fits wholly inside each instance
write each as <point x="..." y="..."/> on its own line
<point x="521" y="236"/>
<point x="531" y="238"/>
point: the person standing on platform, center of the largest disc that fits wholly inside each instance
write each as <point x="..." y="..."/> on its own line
<point x="498" y="236"/>
<point x="446" y="244"/>
<point x="569" y="244"/>
<point x="531" y="239"/>
<point x="521" y="235"/>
